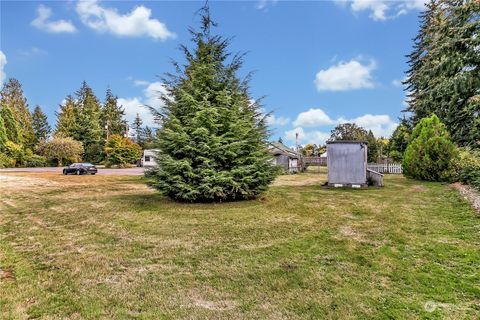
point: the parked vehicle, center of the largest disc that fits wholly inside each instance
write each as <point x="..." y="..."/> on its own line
<point x="80" y="168"/>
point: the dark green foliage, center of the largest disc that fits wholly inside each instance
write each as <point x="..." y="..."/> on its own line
<point x="138" y="129"/>
<point x="41" y="128"/>
<point x="431" y="154"/>
<point x="213" y="139"/>
<point x="67" y="118"/>
<point x="12" y="96"/>
<point x="444" y="74"/>
<point x="399" y="140"/>
<point x="122" y="151"/>
<point x="3" y="132"/>
<point x="89" y="130"/>
<point x="348" y="131"/>
<point x="351" y="131"/>
<point x="112" y="116"/>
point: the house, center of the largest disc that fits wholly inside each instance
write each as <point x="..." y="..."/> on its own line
<point x="347" y="165"/>
<point x="148" y="158"/>
<point x="285" y="157"/>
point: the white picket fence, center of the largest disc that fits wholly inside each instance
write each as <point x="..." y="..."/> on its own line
<point x="385" y="167"/>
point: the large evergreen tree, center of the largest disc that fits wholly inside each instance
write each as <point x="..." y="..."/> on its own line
<point x="444" y="74"/>
<point x="41" y="128"/>
<point x="89" y="130"/>
<point x="138" y="130"/>
<point x="13" y="129"/>
<point x="112" y="116"/>
<point x="67" y="118"/>
<point x="213" y="139"/>
<point x="12" y="96"/>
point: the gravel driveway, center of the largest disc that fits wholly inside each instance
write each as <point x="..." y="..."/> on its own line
<point x="127" y="171"/>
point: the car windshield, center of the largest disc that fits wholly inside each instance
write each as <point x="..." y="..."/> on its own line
<point x="73" y="165"/>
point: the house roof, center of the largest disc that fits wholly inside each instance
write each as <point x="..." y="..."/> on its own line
<point x="279" y="148"/>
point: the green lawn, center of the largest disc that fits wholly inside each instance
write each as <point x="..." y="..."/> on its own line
<point x="108" y="247"/>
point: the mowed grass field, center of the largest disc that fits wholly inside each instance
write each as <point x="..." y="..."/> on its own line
<point x="89" y="247"/>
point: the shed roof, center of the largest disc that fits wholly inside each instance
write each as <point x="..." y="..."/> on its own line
<point x="347" y="141"/>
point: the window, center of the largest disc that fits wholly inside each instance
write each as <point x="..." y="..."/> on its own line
<point x="147" y="158"/>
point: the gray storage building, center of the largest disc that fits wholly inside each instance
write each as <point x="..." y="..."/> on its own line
<point x="347" y="163"/>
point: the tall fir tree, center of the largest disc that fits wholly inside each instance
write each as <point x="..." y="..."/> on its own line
<point x="444" y="74"/>
<point x="89" y="130"/>
<point x="138" y="130"/>
<point x="112" y="116"/>
<point x="41" y="128"/>
<point x="213" y="140"/>
<point x="67" y="125"/>
<point x="12" y="96"/>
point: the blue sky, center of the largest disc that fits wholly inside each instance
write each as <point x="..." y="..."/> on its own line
<point x="319" y="63"/>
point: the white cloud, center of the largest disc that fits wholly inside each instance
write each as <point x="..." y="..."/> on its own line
<point x="60" y="26"/>
<point x="381" y="10"/>
<point x="3" y="62"/>
<point x="381" y="125"/>
<point x="273" y="120"/>
<point x="151" y="97"/>
<point x="346" y="76"/>
<point x="314" y="117"/>
<point x="137" y="23"/>
<point x="304" y="137"/>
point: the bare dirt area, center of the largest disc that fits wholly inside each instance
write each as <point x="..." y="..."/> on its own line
<point x="469" y="193"/>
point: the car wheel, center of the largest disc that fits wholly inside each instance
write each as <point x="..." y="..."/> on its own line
<point x="93" y="173"/>
<point x="64" y="172"/>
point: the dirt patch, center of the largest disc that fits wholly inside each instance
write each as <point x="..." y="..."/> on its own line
<point x="470" y="194"/>
<point x="217" y="305"/>
<point x="348" y="232"/>
<point x="7" y="275"/>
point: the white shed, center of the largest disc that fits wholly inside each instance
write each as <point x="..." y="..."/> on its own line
<point x="149" y="157"/>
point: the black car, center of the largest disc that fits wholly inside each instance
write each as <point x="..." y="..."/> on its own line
<point x="80" y="168"/>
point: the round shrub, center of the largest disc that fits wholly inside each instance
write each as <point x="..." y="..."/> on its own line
<point x="430" y="154"/>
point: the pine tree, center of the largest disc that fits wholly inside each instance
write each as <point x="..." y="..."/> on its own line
<point x="112" y="116"/>
<point x="399" y="140"/>
<point x="41" y="128"/>
<point x="213" y="140"/>
<point x="12" y="96"/>
<point x="373" y="148"/>
<point x="138" y="130"/>
<point x="67" y="118"/>
<point x="3" y="132"/>
<point x="89" y="130"/>
<point x="444" y="74"/>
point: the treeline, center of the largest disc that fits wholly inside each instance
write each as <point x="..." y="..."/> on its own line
<point x="83" y="128"/>
<point x="440" y="140"/>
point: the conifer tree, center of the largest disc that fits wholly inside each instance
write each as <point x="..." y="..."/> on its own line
<point x="67" y="118"/>
<point x="138" y="130"/>
<point x="444" y="74"/>
<point x="112" y="116"/>
<point x="3" y="133"/>
<point x="213" y="139"/>
<point x="12" y="96"/>
<point x="13" y="130"/>
<point x="89" y="130"/>
<point x="41" y="128"/>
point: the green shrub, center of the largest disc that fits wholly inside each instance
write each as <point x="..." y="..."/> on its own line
<point x="34" y="160"/>
<point x="6" y="161"/>
<point x="121" y="151"/>
<point x="468" y="167"/>
<point x="430" y="154"/>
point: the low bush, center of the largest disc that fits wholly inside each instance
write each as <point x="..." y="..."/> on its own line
<point x="6" y="161"/>
<point x="468" y="167"/>
<point x="430" y="154"/>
